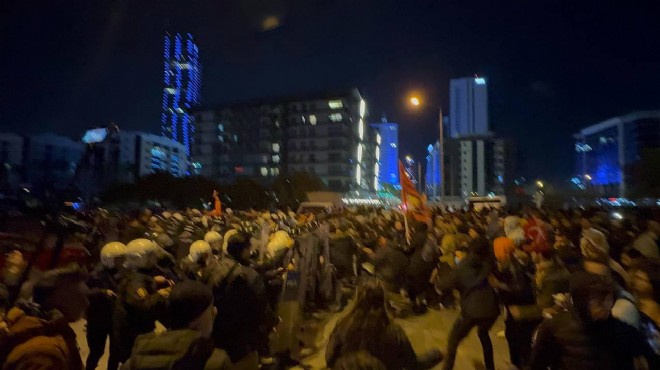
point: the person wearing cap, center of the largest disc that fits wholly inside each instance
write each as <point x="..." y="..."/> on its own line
<point x="103" y="284"/>
<point x="139" y="299"/>
<point x="38" y="335"/>
<point x="186" y="344"/>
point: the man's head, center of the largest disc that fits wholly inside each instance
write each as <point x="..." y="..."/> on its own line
<point x="593" y="296"/>
<point x="63" y="289"/>
<point x="238" y="246"/>
<point x="190" y="306"/>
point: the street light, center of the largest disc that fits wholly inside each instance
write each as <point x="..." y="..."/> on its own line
<point x="539" y="183"/>
<point x="416" y="103"/>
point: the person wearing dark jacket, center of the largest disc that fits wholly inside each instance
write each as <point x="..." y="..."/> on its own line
<point x="425" y="253"/>
<point x="103" y="284"/>
<point x="139" y="299"/>
<point x="187" y="343"/>
<point x="587" y="337"/>
<point x="246" y="317"/>
<point x="343" y="252"/>
<point x="369" y="327"/>
<point x="390" y="264"/>
<point x="479" y="303"/>
<point x="513" y="281"/>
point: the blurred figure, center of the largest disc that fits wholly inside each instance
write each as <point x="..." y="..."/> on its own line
<point x="10" y="280"/>
<point x="646" y="242"/>
<point x="38" y="335"/>
<point x="103" y="283"/>
<point x="360" y="360"/>
<point x="479" y="302"/>
<point x="140" y="298"/>
<point x="369" y="327"/>
<point x="587" y="337"/>
<point x="187" y="343"/>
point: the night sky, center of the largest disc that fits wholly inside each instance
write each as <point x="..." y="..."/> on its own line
<point x="552" y="66"/>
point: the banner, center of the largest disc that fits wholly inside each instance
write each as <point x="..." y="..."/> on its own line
<point x="413" y="203"/>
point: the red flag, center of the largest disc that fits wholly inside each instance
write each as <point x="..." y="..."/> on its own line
<point x="413" y="203"/>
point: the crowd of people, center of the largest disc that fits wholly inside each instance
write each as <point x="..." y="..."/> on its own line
<point x="577" y="289"/>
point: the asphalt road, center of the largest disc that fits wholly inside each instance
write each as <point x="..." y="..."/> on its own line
<point x="425" y="332"/>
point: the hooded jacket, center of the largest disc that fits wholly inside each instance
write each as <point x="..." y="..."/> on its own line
<point x="37" y="340"/>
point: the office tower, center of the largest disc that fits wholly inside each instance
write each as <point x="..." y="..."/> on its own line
<point x="468" y="107"/>
<point x="388" y="149"/>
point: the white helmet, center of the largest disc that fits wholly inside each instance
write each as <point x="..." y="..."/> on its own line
<point x="141" y="247"/>
<point x="197" y="249"/>
<point x="111" y="251"/>
<point x="212" y="236"/>
<point x="226" y="238"/>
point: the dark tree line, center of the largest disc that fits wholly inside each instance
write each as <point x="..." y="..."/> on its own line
<point x="193" y="191"/>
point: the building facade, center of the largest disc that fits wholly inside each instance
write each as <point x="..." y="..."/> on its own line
<point x="604" y="150"/>
<point x="475" y="166"/>
<point x="388" y="150"/>
<point x="325" y="134"/>
<point x="50" y="160"/>
<point x="182" y="86"/>
<point x="468" y="99"/>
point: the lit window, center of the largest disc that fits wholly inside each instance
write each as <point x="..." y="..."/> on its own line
<point x="221" y="127"/>
<point x="358" y="174"/>
<point x="377" y="153"/>
<point x="312" y="119"/>
<point x="276" y="147"/>
<point x="393" y="145"/>
<point x="361" y="129"/>
<point x="378" y="138"/>
<point x="335" y="104"/>
<point x="302" y="118"/>
<point x="264" y="171"/>
<point x="359" y="153"/>
<point x="363" y="108"/>
<point x="335" y="117"/>
<point x="479" y="80"/>
<point x="276" y="159"/>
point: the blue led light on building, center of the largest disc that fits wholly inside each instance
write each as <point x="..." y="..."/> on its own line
<point x="181" y="88"/>
<point x="389" y="152"/>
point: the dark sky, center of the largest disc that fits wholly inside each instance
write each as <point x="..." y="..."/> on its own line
<point x="552" y="66"/>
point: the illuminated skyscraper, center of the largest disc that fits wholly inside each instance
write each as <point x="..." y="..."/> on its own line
<point x="389" y="152"/>
<point x="181" y="88"/>
<point x="468" y="107"/>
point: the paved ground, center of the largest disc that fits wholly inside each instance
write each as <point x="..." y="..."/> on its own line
<point x="425" y="332"/>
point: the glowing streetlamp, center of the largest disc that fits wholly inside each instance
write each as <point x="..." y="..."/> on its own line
<point x="416" y="103"/>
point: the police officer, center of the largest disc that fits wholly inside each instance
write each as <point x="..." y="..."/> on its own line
<point x="103" y="282"/>
<point x="196" y="260"/>
<point x="215" y="241"/>
<point x="140" y="297"/>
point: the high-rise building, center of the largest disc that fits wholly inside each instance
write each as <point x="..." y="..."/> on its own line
<point x="605" y="150"/>
<point x="388" y="152"/>
<point x="322" y="133"/>
<point x="182" y="85"/>
<point x="475" y="166"/>
<point x="468" y="107"/>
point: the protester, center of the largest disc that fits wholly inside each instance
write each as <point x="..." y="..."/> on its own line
<point x="587" y="336"/>
<point x="479" y="302"/>
<point x="38" y="335"/>
<point x="646" y="243"/>
<point x="187" y="343"/>
<point x="369" y="327"/>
